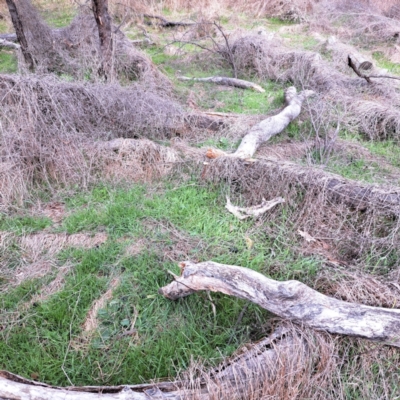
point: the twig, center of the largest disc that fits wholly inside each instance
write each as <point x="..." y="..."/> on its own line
<point x="229" y="50"/>
<point x="351" y="64"/>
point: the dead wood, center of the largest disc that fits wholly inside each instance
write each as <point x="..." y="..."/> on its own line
<point x="225" y="81"/>
<point x="269" y="127"/>
<point x="103" y="22"/>
<point x="164" y="23"/>
<point x="254" y="211"/>
<point x="357" y="67"/>
<point x="10" y="37"/>
<point x="18" y="21"/>
<point x="338" y="188"/>
<point x="290" y="300"/>
<point x="10" y="45"/>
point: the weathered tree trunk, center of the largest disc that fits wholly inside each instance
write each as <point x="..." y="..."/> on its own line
<point x="103" y="21"/>
<point x="225" y="81"/>
<point x="290" y="299"/>
<point x="19" y="30"/>
<point x="269" y="127"/>
<point x="9" y="45"/>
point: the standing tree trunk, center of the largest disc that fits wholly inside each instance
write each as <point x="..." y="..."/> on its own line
<point x="19" y="30"/>
<point x="103" y="21"/>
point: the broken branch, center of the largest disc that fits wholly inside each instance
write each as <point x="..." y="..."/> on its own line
<point x="267" y="128"/>
<point x="222" y="80"/>
<point x="255" y="211"/>
<point x="290" y="299"/>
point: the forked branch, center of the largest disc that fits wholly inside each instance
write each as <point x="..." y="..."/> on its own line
<point x="290" y="300"/>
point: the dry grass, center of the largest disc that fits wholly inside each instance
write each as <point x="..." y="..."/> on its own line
<point x="54" y="123"/>
<point x="358" y="287"/>
<point x="91" y="323"/>
<point x="37" y="252"/>
<point x="359" y="220"/>
<point x="36" y="245"/>
<point x="130" y="159"/>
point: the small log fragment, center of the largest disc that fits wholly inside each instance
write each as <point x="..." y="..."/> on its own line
<point x="225" y="81"/>
<point x="255" y="211"/>
<point x="167" y="24"/>
<point x="290" y="299"/>
<point x="358" y="68"/>
<point x="9" y="45"/>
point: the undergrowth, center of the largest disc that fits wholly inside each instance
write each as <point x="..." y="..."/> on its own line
<point x="176" y="223"/>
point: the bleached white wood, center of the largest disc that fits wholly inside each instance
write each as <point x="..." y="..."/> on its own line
<point x="271" y="126"/>
<point x="290" y="299"/>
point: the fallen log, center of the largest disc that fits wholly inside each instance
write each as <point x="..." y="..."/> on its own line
<point x="267" y="128"/>
<point x="225" y="81"/>
<point x="164" y="23"/>
<point x="8" y="44"/>
<point x="290" y="300"/>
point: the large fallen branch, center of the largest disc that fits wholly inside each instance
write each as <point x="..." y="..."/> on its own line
<point x="269" y="127"/>
<point x="290" y="299"/>
<point x="10" y="45"/>
<point x="225" y="81"/>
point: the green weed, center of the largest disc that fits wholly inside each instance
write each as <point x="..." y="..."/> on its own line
<point x="167" y="334"/>
<point x="8" y="62"/>
<point x="24" y="224"/>
<point x="393" y="68"/>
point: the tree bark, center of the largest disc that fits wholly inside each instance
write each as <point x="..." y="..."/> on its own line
<point x="290" y="299"/>
<point x="103" y="21"/>
<point x="19" y="30"/>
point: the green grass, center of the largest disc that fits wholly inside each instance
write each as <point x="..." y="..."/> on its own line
<point x="58" y="17"/>
<point x="169" y="334"/>
<point x="23" y="224"/>
<point x="393" y="68"/>
<point x="8" y="62"/>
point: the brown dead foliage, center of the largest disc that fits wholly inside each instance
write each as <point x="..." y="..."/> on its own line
<point x="357" y="218"/>
<point x="130" y="159"/>
<point x="53" y="287"/>
<point x="37" y="251"/>
<point x="371" y="109"/>
<point x="358" y="287"/>
<point x="48" y="125"/>
<point x="75" y="49"/>
<point x="36" y="245"/>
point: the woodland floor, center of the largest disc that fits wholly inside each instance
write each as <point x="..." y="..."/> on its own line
<point x="80" y="268"/>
